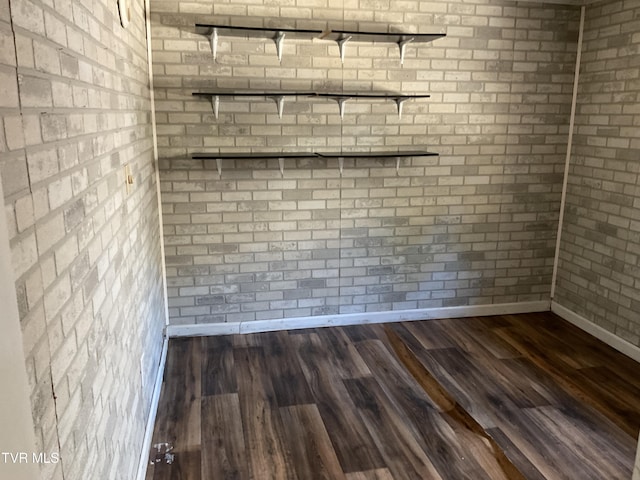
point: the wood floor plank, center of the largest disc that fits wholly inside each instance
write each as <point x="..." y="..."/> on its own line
<point x="554" y="457"/>
<point x="218" y="369"/>
<point x="566" y="377"/>
<point x="401" y="450"/>
<point x="517" y="457"/>
<point x="622" y="399"/>
<point x="312" y="454"/>
<point x="344" y="357"/>
<point x="178" y="420"/>
<point x="223" y="438"/>
<point x="441" y="441"/>
<point x="289" y="384"/>
<point x="380" y="474"/>
<point x="267" y="458"/>
<point x="431" y="334"/>
<point x="415" y="344"/>
<point x="186" y="466"/>
<point x="359" y="333"/>
<point x="553" y="402"/>
<point x="352" y="442"/>
<point x="588" y="442"/>
<point x="474" y="337"/>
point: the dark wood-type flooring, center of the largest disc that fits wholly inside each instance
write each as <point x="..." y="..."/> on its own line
<point x="504" y="397"/>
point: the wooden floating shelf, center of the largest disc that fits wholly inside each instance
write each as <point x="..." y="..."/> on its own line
<point x="276" y="34"/>
<point x="417" y="153"/>
<point x="252" y="156"/>
<point x="341" y="37"/>
<point x="279" y="97"/>
<point x="281" y="156"/>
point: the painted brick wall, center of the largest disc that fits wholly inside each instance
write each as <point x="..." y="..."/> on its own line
<point x="75" y="108"/>
<point x="599" y="276"/>
<point x="475" y="225"/>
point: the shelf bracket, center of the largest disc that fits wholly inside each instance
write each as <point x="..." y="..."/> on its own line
<point x="341" y="164"/>
<point x="215" y="103"/>
<point x="281" y="164"/>
<point x="213" y="38"/>
<point x="279" y="44"/>
<point x="219" y="165"/>
<point x="397" y="165"/>
<point x="403" y="47"/>
<point x="341" y="105"/>
<point x="279" y="99"/>
<point x="399" y="103"/>
<point x="342" y="43"/>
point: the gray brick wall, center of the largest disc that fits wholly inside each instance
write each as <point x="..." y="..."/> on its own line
<point x="598" y="275"/>
<point x="475" y="225"/>
<point x="75" y="108"/>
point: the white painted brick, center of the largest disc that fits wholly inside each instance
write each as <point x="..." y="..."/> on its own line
<point x="8" y="89"/>
<point x="55" y="29"/>
<point x="24" y="255"/>
<point x="46" y="58"/>
<point x="7" y="48"/>
<point x="35" y="92"/>
<point x="29" y="16"/>
<point x="14" y="132"/>
<point x="50" y="232"/>
<point x="24" y="213"/>
<point x="42" y="164"/>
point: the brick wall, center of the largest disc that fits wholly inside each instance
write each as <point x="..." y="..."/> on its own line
<point x="475" y="225"/>
<point x="75" y="109"/>
<point x="598" y="274"/>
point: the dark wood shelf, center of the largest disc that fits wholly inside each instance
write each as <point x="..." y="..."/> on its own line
<point x="259" y="32"/>
<point x="281" y="156"/>
<point x="279" y="97"/>
<point x="252" y="156"/>
<point x="342" y="37"/>
<point x="416" y="153"/>
<point x="269" y="155"/>
<point x="391" y="37"/>
<point x="276" y="34"/>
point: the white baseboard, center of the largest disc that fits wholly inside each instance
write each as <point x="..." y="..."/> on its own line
<point x="153" y="410"/>
<point x="355" y="319"/>
<point x="597" y="331"/>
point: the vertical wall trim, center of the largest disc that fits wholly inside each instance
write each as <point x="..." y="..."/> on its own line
<point x="565" y="181"/>
<point x="154" y="132"/>
<point x="153" y="411"/>
<point x="155" y="399"/>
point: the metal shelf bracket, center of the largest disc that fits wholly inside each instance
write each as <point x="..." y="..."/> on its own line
<point x="279" y="44"/>
<point x="402" y="44"/>
<point x="279" y="99"/>
<point x="341" y="105"/>
<point x="215" y="103"/>
<point x="213" y="38"/>
<point x="400" y="103"/>
<point x="342" y="43"/>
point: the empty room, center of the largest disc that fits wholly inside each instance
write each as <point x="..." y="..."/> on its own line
<point x="332" y="239"/>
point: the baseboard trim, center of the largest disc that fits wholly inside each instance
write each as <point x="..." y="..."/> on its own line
<point x="207" y="329"/>
<point x="597" y="331"/>
<point x="153" y="411"/>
